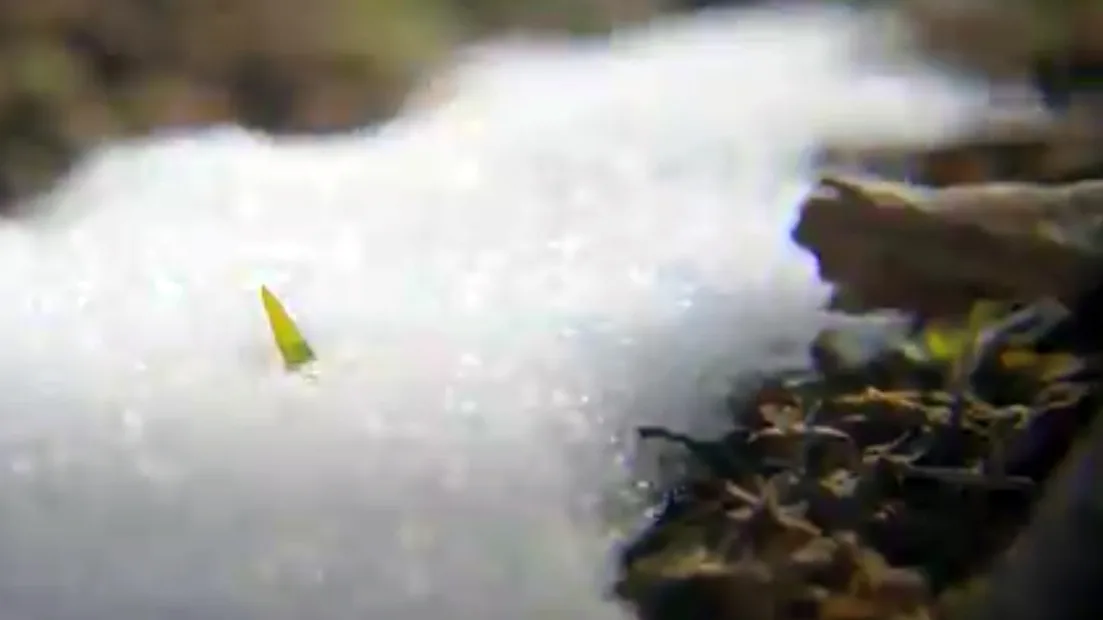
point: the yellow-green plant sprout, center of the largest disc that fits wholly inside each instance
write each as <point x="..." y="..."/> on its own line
<point x="293" y="347"/>
<point x="951" y="341"/>
<point x="982" y="314"/>
<point x="1043" y="366"/>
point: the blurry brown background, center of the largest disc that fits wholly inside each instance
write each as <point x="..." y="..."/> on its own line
<point x="76" y="72"/>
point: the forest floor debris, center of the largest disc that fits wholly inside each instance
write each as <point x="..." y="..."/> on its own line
<point x="877" y="491"/>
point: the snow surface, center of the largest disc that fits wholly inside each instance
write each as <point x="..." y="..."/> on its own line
<point x="588" y="235"/>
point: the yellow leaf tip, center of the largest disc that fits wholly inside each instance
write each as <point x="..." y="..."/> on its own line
<point x="292" y="346"/>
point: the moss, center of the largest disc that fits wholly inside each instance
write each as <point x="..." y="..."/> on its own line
<point x="868" y="489"/>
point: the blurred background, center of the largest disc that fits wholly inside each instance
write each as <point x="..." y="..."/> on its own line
<point x="76" y="72"/>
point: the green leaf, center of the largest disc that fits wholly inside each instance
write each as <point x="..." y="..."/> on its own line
<point x="292" y="346"/>
<point x="951" y="341"/>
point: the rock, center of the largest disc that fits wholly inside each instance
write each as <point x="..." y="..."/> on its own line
<point x="937" y="251"/>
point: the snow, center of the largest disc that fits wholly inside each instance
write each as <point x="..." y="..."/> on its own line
<point x="587" y="236"/>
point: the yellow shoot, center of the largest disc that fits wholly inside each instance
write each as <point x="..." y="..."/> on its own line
<point x="292" y="346"/>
